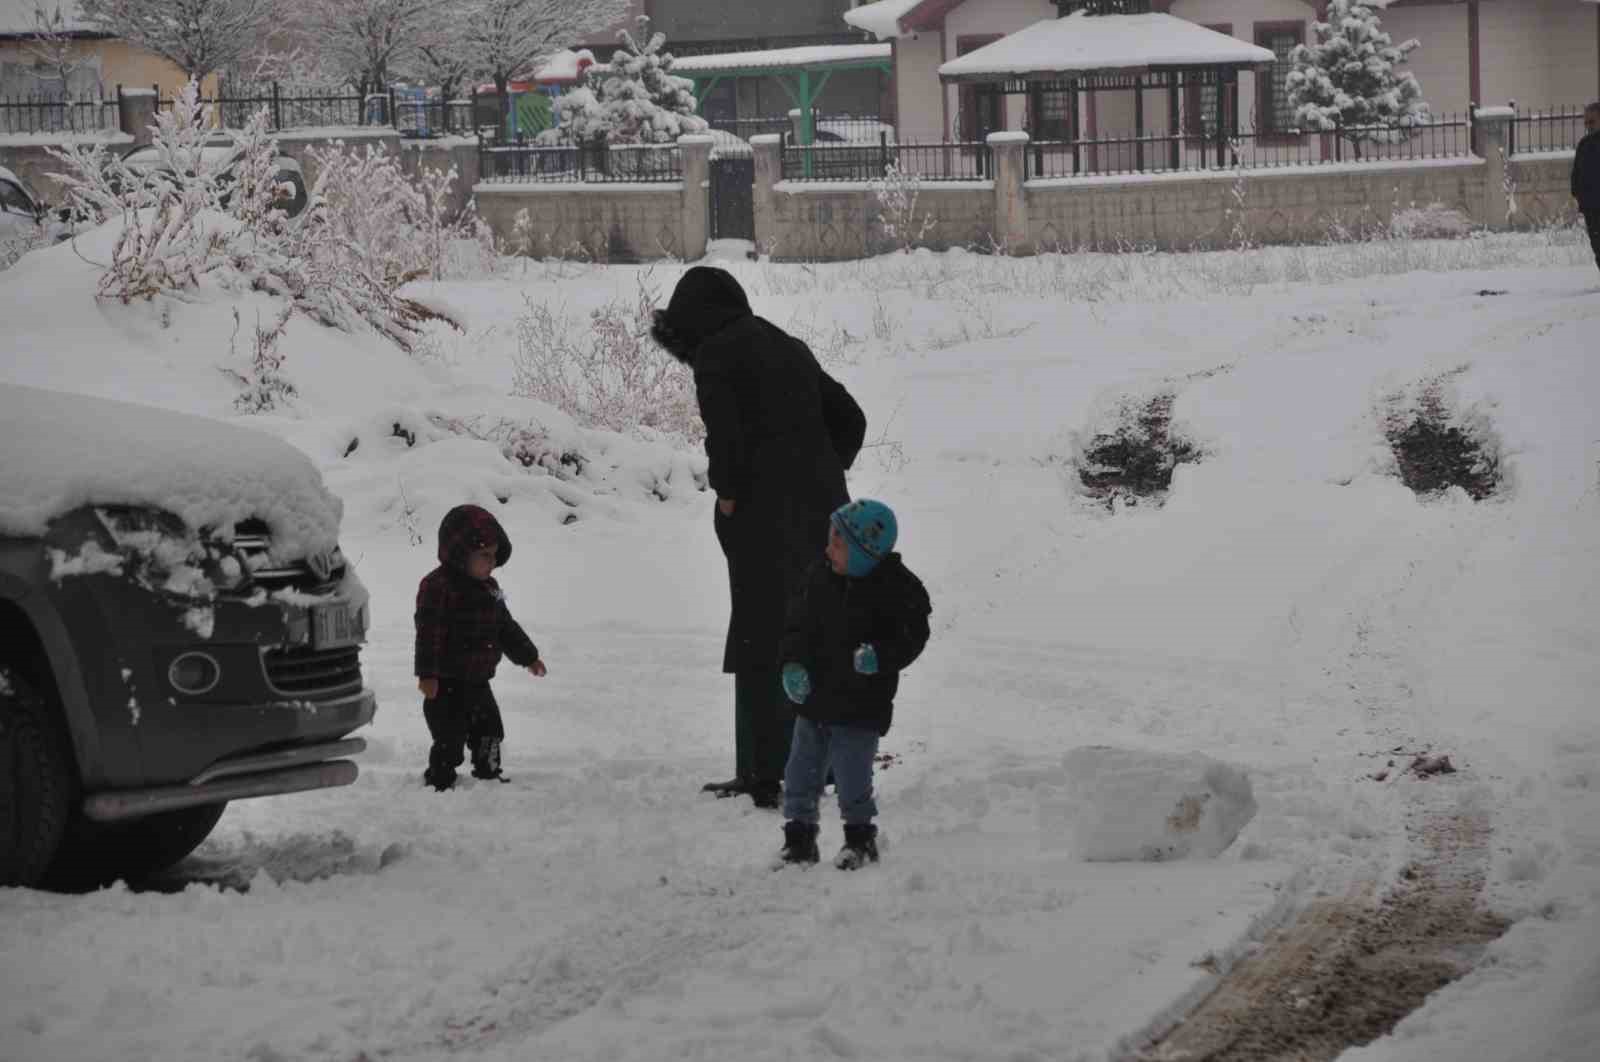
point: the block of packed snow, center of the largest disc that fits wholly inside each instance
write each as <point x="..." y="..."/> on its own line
<point x="1126" y="804"/>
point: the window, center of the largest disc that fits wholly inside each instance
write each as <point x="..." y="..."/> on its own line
<point x="1273" y="112"/>
<point x="1201" y="116"/>
<point x="1055" y="118"/>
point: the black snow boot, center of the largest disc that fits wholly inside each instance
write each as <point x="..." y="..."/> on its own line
<point x="860" y="847"/>
<point x="766" y="795"/>
<point x="799" y="844"/>
<point x="486" y="761"/>
<point x="731" y="788"/>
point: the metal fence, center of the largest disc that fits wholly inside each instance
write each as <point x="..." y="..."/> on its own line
<point x="619" y="163"/>
<point x="295" y="108"/>
<point x="829" y="128"/>
<point x="870" y="161"/>
<point x="1443" y="138"/>
<point x="58" y="114"/>
<point x="1551" y="129"/>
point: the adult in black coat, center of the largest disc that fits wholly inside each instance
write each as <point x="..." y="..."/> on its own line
<point x="1586" y="175"/>
<point x="780" y="433"/>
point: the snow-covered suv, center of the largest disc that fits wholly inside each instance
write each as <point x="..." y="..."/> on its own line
<point x="178" y="629"/>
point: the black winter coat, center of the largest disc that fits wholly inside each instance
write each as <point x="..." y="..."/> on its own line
<point x="780" y="433"/>
<point x="1586" y="173"/>
<point x="834" y="614"/>
<point x="463" y="624"/>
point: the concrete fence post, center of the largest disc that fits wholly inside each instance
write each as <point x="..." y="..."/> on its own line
<point x="1492" y="134"/>
<point x="1010" y="151"/>
<point x="136" y="113"/>
<point x="696" y="148"/>
<point x="768" y="151"/>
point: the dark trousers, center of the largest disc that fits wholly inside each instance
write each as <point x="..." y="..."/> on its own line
<point x="1592" y="219"/>
<point x="763" y="726"/>
<point x="464" y="716"/>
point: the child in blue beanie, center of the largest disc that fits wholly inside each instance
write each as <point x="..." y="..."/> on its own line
<point x="859" y="618"/>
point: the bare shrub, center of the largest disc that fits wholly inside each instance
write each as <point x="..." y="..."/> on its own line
<point x="264" y="386"/>
<point x="609" y="374"/>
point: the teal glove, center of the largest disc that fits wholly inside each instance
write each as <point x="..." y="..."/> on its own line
<point x="796" y="683"/>
<point x="866" y="659"/>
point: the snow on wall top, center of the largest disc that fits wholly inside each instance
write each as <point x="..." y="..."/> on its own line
<point x="1104" y="42"/>
<point x="882" y="19"/>
<point x="60" y="451"/>
<point x="814" y="55"/>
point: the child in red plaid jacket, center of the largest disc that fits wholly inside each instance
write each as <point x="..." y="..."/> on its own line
<point x="463" y="628"/>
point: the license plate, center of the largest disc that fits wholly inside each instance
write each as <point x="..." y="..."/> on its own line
<point x="339" y="625"/>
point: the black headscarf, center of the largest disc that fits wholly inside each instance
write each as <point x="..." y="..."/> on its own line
<point x="706" y="301"/>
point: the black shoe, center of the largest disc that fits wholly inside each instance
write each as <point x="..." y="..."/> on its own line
<point x="799" y="845"/>
<point x="860" y="847"/>
<point x="767" y="795"/>
<point x="439" y="780"/>
<point x="731" y="788"/>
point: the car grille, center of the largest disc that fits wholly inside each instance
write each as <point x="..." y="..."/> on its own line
<point x="253" y="541"/>
<point x="313" y="672"/>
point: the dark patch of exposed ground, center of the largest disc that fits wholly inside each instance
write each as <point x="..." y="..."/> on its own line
<point x="1435" y="453"/>
<point x="1136" y="459"/>
<point x="1349" y="968"/>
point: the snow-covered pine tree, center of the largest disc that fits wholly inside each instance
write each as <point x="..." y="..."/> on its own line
<point x="637" y="100"/>
<point x="1347" y="81"/>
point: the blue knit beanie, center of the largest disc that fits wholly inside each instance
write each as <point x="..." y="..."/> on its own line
<point x="869" y="529"/>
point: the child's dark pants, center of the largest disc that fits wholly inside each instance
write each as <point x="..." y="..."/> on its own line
<point x="463" y="717"/>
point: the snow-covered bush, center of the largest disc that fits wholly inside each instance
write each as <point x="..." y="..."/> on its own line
<point x="1347" y="81"/>
<point x="367" y="229"/>
<point x="637" y="100"/>
<point x="896" y="192"/>
<point x="609" y="374"/>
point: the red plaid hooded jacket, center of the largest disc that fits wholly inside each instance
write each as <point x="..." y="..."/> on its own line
<point x="463" y="625"/>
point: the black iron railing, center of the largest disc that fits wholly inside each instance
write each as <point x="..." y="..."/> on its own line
<point x="1549" y="129"/>
<point x="43" y="113"/>
<point x="619" y="163"/>
<point x="1439" y="138"/>
<point x="296" y="108"/>
<point x="845" y="161"/>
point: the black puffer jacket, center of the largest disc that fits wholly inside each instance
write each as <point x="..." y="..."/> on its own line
<point x="780" y="433"/>
<point x="463" y="624"/>
<point x="834" y="614"/>
<point x="1586" y="174"/>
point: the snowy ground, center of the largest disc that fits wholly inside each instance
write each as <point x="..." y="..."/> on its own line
<point x="1291" y="610"/>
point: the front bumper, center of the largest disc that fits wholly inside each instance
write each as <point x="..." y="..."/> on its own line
<point x="293" y="769"/>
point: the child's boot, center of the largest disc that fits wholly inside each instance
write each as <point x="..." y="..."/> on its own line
<point x="860" y="846"/>
<point x="799" y="844"/>
<point x="486" y="760"/>
<point x="440" y="774"/>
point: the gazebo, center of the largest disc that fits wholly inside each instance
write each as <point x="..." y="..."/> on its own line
<point x="1121" y="46"/>
<point x="803" y="72"/>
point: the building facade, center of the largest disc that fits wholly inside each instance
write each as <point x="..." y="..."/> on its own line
<point x="1538" y="53"/>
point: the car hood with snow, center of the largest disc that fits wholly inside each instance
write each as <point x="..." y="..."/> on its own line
<point x="60" y="451"/>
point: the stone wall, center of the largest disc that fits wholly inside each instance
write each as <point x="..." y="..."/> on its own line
<point x="606" y="222"/>
<point x="804" y="220"/>
<point x="1542" y="188"/>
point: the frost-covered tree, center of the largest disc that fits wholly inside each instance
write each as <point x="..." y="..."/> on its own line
<point x="364" y="40"/>
<point x="57" y="58"/>
<point x="442" y="55"/>
<point x="199" y="37"/>
<point x="637" y="100"/>
<point x="1348" y="80"/>
<point x="512" y="39"/>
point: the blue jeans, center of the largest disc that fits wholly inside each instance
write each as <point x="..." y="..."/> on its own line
<point x="849" y="750"/>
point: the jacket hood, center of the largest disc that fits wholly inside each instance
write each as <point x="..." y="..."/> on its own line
<point x="706" y="301"/>
<point x="469" y="527"/>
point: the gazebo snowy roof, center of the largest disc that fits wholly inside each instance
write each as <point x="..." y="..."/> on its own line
<point x="882" y="19"/>
<point x="815" y="57"/>
<point x="1082" y="44"/>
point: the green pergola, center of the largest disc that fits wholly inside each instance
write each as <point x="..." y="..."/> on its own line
<point x="803" y="72"/>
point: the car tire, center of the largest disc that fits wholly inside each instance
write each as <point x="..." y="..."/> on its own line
<point x="38" y="785"/>
<point x="96" y="853"/>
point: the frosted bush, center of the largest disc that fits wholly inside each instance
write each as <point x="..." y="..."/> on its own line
<point x="609" y="374"/>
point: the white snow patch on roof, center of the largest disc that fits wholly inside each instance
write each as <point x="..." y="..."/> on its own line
<point x="1105" y="42"/>
<point x="59" y="451"/>
<point x="815" y="55"/>
<point x="882" y="19"/>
